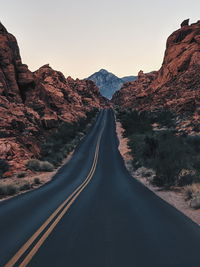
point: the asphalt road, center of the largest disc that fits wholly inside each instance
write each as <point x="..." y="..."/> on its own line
<point x="94" y="214"/>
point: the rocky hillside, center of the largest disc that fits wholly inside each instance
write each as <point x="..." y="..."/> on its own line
<point x="176" y="86"/>
<point x="33" y="105"/>
<point x="109" y="83"/>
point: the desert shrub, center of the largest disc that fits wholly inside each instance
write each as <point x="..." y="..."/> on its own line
<point x="21" y="175"/>
<point x="170" y="159"/>
<point x="3" y="190"/>
<point x="46" y="166"/>
<point x="12" y="190"/>
<point x="33" y="165"/>
<point x="4" y="167"/>
<point x="187" y="177"/>
<point x="164" y="118"/>
<point x="194" y="142"/>
<point x="37" y="165"/>
<point x="192" y="193"/>
<point x="8" y="190"/>
<point x="64" y="140"/>
<point x="37" y="181"/>
<point x="25" y="186"/>
<point x="163" y="151"/>
<point x="191" y="190"/>
<point x="134" y="122"/>
<point x="195" y="201"/>
<point x="188" y="192"/>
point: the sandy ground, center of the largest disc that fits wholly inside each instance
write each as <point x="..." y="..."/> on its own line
<point x="175" y="197"/>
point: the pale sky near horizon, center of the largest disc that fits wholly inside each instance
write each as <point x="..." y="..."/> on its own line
<point x="79" y="37"/>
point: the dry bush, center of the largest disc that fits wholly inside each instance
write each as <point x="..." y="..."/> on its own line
<point x="21" y="175"/>
<point x="37" y="165"/>
<point x="191" y="190"/>
<point x="192" y="193"/>
<point x="4" y="167"/>
<point x="36" y="181"/>
<point x="8" y="190"/>
<point x="25" y="186"/>
<point x="195" y="202"/>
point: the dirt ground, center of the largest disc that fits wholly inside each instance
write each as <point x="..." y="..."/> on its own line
<point x="174" y="197"/>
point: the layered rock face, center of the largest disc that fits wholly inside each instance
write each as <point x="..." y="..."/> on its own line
<point x="32" y="105"/>
<point x="176" y="85"/>
<point x="14" y="76"/>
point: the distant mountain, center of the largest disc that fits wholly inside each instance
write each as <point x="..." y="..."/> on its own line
<point x="109" y="83"/>
<point x="129" y="79"/>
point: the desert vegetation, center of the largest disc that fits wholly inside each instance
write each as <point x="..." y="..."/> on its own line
<point x="156" y="145"/>
<point x="4" y="167"/>
<point x="10" y="188"/>
<point x="65" y="139"/>
<point x="38" y="165"/>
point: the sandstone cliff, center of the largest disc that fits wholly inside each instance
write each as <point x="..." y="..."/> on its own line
<point x="176" y="86"/>
<point x="33" y="104"/>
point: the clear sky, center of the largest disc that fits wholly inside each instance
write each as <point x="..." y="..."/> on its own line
<point x="79" y="37"/>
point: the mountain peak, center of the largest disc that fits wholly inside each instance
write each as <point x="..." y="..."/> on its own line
<point x="108" y="83"/>
<point x="103" y="71"/>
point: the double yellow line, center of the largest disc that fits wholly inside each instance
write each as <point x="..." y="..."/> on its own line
<point x="63" y="208"/>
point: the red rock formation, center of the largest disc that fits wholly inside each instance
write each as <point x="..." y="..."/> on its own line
<point x="14" y="76"/>
<point x="176" y="85"/>
<point x="34" y="104"/>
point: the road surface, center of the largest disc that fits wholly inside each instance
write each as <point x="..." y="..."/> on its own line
<point x="94" y="214"/>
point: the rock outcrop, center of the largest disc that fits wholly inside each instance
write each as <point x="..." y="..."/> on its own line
<point x="32" y="105"/>
<point x="14" y="76"/>
<point x="176" y="86"/>
<point x="185" y="23"/>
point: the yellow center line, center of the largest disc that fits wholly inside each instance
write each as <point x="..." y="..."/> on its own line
<point x="51" y="228"/>
<point x="71" y="198"/>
